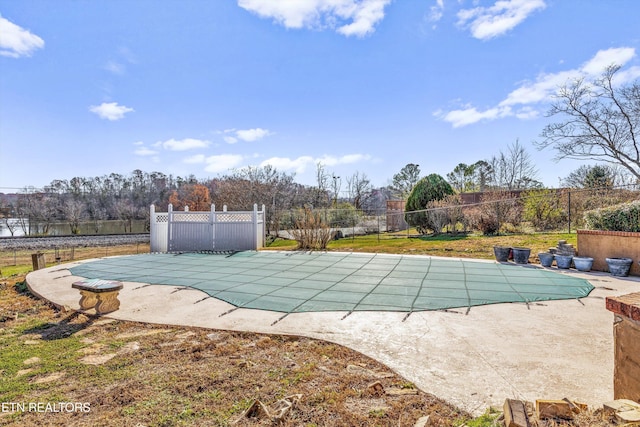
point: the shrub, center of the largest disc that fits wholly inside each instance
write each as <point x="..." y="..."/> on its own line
<point x="623" y="217"/>
<point x="444" y="213"/>
<point x="495" y="209"/>
<point x="436" y="217"/>
<point x="584" y="200"/>
<point x="542" y="208"/>
<point x="311" y="231"/>
<point x="429" y="188"/>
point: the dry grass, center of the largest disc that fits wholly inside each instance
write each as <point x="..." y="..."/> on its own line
<point x="168" y="376"/>
<point x="19" y="262"/>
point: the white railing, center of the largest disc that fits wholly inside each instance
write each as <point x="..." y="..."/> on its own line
<point x="178" y="231"/>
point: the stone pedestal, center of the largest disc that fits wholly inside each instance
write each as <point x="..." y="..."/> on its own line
<point x="99" y="294"/>
<point x="626" y="334"/>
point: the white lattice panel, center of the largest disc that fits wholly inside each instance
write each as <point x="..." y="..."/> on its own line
<point x="234" y="217"/>
<point x="162" y="218"/>
<point x="191" y="217"/>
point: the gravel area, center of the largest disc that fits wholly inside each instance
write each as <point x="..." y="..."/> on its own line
<point x="53" y="242"/>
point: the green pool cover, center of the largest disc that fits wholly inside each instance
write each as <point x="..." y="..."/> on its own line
<point x="291" y="282"/>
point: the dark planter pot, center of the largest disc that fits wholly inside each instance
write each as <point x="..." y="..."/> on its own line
<point x="619" y="266"/>
<point x="583" y="263"/>
<point x="521" y="255"/>
<point x="564" y="261"/>
<point x="546" y="259"/>
<point x="501" y="253"/>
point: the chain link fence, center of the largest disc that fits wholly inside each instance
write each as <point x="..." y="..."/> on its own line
<point x="495" y="212"/>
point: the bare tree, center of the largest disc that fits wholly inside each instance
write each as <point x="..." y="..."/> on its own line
<point x="322" y="182"/>
<point x="265" y="185"/>
<point x="127" y="212"/>
<point x="8" y="211"/>
<point x="358" y="185"/>
<point x="36" y="211"/>
<point x="602" y="121"/>
<point x="514" y="169"/>
<point x="74" y="212"/>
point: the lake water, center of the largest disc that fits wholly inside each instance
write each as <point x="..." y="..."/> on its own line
<point x="62" y="228"/>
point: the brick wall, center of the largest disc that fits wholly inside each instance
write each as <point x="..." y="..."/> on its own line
<point x="626" y="334"/>
<point x="600" y="245"/>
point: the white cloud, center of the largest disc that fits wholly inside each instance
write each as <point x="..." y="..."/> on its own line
<point x="145" y="151"/>
<point x="522" y="101"/>
<point x="231" y="136"/>
<point x="604" y="58"/>
<point x="542" y="89"/>
<point x="110" y="111"/>
<point x="16" y="42"/>
<point x="628" y="75"/>
<point x="230" y="139"/>
<point x="115" y="67"/>
<point x="222" y="162"/>
<point x="436" y="12"/>
<point x="251" y="135"/>
<point x="467" y="116"/>
<point x="300" y="164"/>
<point x="123" y="57"/>
<point x="182" y="144"/>
<point x="489" y="22"/>
<point x="348" y="17"/>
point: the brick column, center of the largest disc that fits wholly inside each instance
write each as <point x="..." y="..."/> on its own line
<point x="626" y="335"/>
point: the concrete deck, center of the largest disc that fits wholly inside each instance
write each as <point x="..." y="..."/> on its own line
<point x="550" y="350"/>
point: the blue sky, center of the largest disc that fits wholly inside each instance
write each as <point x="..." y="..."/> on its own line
<point x="201" y="87"/>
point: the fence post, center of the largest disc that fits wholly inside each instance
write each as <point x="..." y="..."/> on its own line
<point x="153" y="232"/>
<point x="38" y="261"/>
<point x="255" y="226"/>
<point x="169" y="220"/>
<point x="353" y="230"/>
<point x="569" y="210"/>
<point x="264" y="226"/>
<point x="212" y="221"/>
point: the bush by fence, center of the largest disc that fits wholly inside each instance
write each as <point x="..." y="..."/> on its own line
<point x="623" y="217"/>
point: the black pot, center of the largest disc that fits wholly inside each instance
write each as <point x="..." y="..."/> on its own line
<point x="501" y="253"/>
<point x="521" y="255"/>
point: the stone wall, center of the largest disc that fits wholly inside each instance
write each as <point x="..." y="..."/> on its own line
<point x="600" y="245"/>
<point x="626" y="333"/>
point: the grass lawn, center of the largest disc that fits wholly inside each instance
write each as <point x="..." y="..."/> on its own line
<point x="449" y="245"/>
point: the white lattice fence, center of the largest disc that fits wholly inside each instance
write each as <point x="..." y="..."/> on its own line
<point x="177" y="231"/>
